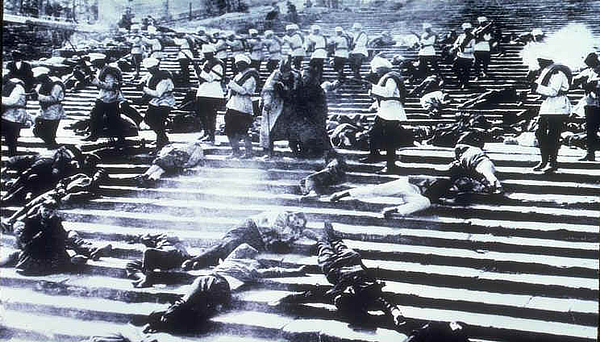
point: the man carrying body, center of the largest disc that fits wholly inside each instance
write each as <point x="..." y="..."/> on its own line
<point x="210" y="96"/>
<point x="553" y="83"/>
<point x="14" y="115"/>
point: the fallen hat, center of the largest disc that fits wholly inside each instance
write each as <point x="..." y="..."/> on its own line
<point x="356" y="26"/>
<point x="482" y="19"/>
<point x="94" y="56"/>
<point x="150" y="62"/>
<point x="427" y="26"/>
<point x="252" y="31"/>
<point x="466" y="26"/>
<point x="39" y="71"/>
<point x="537" y="32"/>
<point x="242" y="58"/>
<point x="208" y="48"/>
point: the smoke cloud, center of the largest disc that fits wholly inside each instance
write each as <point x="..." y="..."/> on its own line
<point x="569" y="46"/>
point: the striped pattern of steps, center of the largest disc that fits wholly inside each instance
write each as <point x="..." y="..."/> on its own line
<point x="522" y="269"/>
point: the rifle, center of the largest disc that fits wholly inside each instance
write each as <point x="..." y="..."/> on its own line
<point x="478" y="32"/>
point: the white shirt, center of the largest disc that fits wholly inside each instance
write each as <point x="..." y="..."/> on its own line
<point x="55" y="111"/>
<point x="554" y="104"/>
<point x="341" y="46"/>
<point x="318" y="44"/>
<point x="212" y="85"/>
<point x="295" y="43"/>
<point x="360" y="43"/>
<point x="241" y="94"/>
<point x="389" y="109"/>
<point x="185" y="51"/>
<point x="427" y="41"/>
<point x="469" y="47"/>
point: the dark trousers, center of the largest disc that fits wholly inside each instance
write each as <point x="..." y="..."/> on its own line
<point x="255" y="64"/>
<point x="548" y="134"/>
<point x="109" y="113"/>
<point x="462" y="69"/>
<point x="482" y="61"/>
<point x="272" y="65"/>
<point x="424" y="62"/>
<point x="317" y="63"/>
<point x="592" y="124"/>
<point x="130" y="112"/>
<point x="333" y="256"/>
<point x="46" y="130"/>
<point x="206" y="109"/>
<point x="237" y="125"/>
<point x="137" y="61"/>
<point x="338" y="66"/>
<point x="247" y="232"/>
<point x="388" y="135"/>
<point x="297" y="62"/>
<point x="184" y="65"/>
<point x="355" y="61"/>
<point x="156" y="118"/>
<point x="10" y="132"/>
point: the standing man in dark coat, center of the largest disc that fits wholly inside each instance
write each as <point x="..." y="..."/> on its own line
<point x="17" y="68"/>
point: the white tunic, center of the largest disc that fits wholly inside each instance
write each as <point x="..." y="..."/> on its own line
<point x="360" y="43"/>
<point x="341" y="46"/>
<point x="555" y="103"/>
<point x="211" y="87"/>
<point x="427" y="48"/>
<point x="469" y="48"/>
<point x="318" y="44"/>
<point x="295" y="43"/>
<point x="389" y="109"/>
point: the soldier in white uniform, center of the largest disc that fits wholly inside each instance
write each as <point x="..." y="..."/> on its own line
<point x="553" y="83"/>
<point x="464" y="47"/>
<point x="51" y="93"/>
<point x="427" y="54"/>
<point x="273" y="45"/>
<point x="359" y="49"/>
<point x="295" y="41"/>
<point x="482" y="50"/>
<point x="210" y="96"/>
<point x="137" y="47"/>
<point x="317" y="44"/>
<point x="340" y="55"/>
<point x="185" y="55"/>
<point x="255" y="46"/>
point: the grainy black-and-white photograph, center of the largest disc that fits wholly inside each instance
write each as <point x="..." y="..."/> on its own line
<point x="300" y="170"/>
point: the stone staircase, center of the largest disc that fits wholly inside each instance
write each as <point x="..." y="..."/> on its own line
<point x="521" y="269"/>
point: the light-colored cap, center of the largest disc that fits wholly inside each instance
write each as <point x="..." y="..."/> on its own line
<point x="208" y="48"/>
<point x="136" y="27"/>
<point x="253" y="31"/>
<point x="122" y="30"/>
<point x="315" y="28"/>
<point x="339" y="29"/>
<point x="545" y="57"/>
<point x="39" y="71"/>
<point x="151" y="29"/>
<point x="482" y="19"/>
<point x="242" y="58"/>
<point x="292" y="27"/>
<point x="397" y="59"/>
<point x="537" y="32"/>
<point x="229" y="34"/>
<point x="150" y="62"/>
<point x="466" y="26"/>
<point x="94" y="56"/>
<point x="357" y="26"/>
<point x="268" y="33"/>
<point x="379" y="62"/>
<point x="427" y="26"/>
